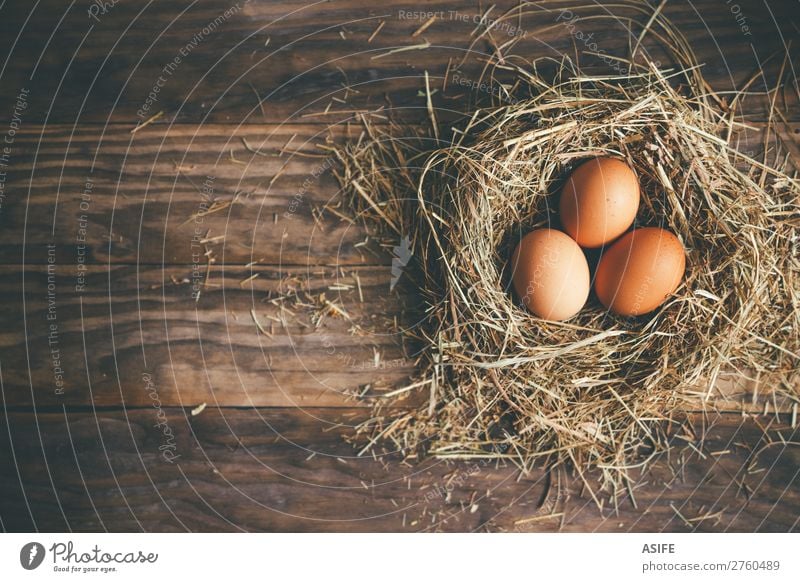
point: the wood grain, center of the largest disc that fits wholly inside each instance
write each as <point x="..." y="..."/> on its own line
<point x="135" y="198"/>
<point x="131" y="198"/>
<point x="289" y="470"/>
<point x="129" y="322"/>
<point x="297" y="55"/>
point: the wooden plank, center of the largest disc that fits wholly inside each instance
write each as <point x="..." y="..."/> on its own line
<point x="134" y="332"/>
<point x="297" y="56"/>
<point x="130" y="323"/>
<point x="145" y="198"/>
<point x="133" y="197"/>
<point x="290" y="470"/>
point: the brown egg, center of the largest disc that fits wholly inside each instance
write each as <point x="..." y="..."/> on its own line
<point x="599" y="201"/>
<point x="550" y="274"/>
<point x="639" y="271"/>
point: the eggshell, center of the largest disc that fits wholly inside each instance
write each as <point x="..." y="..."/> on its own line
<point x="550" y="274"/>
<point x="599" y="201"/>
<point x="639" y="271"/>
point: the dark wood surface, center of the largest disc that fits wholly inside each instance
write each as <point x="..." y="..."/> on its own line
<point x="298" y="54"/>
<point x="268" y="453"/>
<point x="290" y="469"/>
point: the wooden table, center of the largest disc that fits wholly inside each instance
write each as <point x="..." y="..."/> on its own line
<point x="108" y="225"/>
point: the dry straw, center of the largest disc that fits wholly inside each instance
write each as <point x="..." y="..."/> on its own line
<point x="598" y="392"/>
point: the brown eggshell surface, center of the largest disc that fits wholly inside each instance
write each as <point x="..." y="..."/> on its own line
<point x="599" y="201"/>
<point x="550" y="274"/>
<point x="639" y="271"/>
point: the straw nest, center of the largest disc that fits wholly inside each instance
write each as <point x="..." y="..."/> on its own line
<point x="599" y="391"/>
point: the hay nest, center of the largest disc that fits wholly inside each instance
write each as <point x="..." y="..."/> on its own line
<point x="598" y="391"/>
